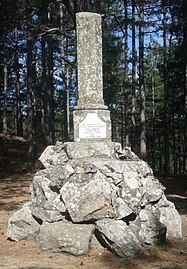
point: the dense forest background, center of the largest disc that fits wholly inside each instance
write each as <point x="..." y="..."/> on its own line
<point x="145" y="74"/>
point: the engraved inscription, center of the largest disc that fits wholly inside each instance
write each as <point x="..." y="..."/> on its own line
<point x="92" y="127"/>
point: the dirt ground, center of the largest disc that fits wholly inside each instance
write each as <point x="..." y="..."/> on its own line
<point x="14" y="191"/>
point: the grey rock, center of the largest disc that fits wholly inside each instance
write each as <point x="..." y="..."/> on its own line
<point x="46" y="156"/>
<point x="170" y="217"/>
<point x="54" y="155"/>
<point x="45" y="214"/>
<point x="66" y="237"/>
<point x="45" y="201"/>
<point x="154" y="189"/>
<point x="117" y="237"/>
<point x="152" y="231"/>
<point x="59" y="159"/>
<point x="22" y="224"/>
<point x="59" y="176"/>
<point x="87" y="197"/>
<point x="80" y="150"/>
<point x="59" y="205"/>
<point x="41" y="192"/>
<point x="121" y="208"/>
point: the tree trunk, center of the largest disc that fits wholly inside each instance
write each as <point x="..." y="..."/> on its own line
<point x="30" y="44"/>
<point x="64" y="79"/>
<point x="18" y="119"/>
<point x="127" y="143"/>
<point x="5" y="85"/>
<point x="68" y="100"/>
<point x="44" y="86"/>
<point x="49" y="93"/>
<point x="166" y="147"/>
<point x="153" y="121"/>
<point x="47" y="83"/>
<point x="141" y="82"/>
<point x="185" y="84"/>
<point x="133" y="109"/>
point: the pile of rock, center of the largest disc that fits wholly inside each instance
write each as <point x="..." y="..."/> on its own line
<point x="85" y="191"/>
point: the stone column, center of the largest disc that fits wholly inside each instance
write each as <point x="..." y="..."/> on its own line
<point x="91" y="116"/>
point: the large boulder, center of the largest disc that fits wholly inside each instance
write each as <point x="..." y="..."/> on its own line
<point x="168" y="215"/>
<point x="22" y="224"/>
<point x="66" y="237"/>
<point x="87" y="195"/>
<point x="117" y="237"/>
<point x="152" y="231"/>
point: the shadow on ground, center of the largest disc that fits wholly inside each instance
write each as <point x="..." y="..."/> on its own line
<point x="176" y="192"/>
<point x="14" y="191"/>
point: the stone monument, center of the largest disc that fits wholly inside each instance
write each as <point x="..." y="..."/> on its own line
<point x="90" y="191"/>
<point x="91" y="116"/>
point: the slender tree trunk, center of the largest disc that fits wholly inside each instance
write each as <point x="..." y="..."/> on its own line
<point x="44" y="86"/>
<point x="141" y="82"/>
<point x="127" y="143"/>
<point x="49" y="93"/>
<point x="19" y="125"/>
<point x="64" y="85"/>
<point x="166" y="148"/>
<point x="133" y="123"/>
<point x="68" y="99"/>
<point x="171" y="87"/>
<point x="185" y="85"/>
<point x="5" y="85"/>
<point x="153" y="122"/>
<point x="185" y="119"/>
<point x="47" y="83"/>
<point x="30" y="43"/>
<point x="160" y="154"/>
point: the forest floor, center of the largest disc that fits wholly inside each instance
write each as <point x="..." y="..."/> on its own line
<point x="14" y="192"/>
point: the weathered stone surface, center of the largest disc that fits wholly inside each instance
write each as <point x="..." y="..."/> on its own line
<point x="130" y="179"/>
<point x="91" y="117"/>
<point x="154" y="189"/>
<point x="117" y="237"/>
<point x="66" y="237"/>
<point x="45" y="214"/>
<point x="169" y="217"/>
<point x="54" y="155"/>
<point x="123" y="193"/>
<point x="87" y="196"/>
<point x="104" y="188"/>
<point x="59" y="176"/>
<point x="89" y="58"/>
<point x="46" y="203"/>
<point x="152" y="231"/>
<point x="46" y="155"/>
<point x="80" y="150"/>
<point x="121" y="208"/>
<point x="22" y="225"/>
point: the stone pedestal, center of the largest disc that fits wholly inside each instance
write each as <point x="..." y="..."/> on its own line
<point x="92" y="125"/>
<point x="85" y="191"/>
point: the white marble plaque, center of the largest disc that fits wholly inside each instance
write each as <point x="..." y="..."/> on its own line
<point x="92" y="127"/>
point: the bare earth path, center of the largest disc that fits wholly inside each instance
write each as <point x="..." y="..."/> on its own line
<point x="14" y="191"/>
